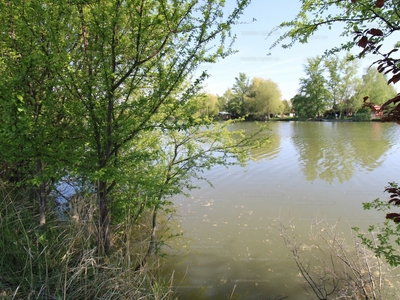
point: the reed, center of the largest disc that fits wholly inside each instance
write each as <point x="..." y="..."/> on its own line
<point x="61" y="260"/>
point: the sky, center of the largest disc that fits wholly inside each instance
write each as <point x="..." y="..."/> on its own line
<point x="283" y="66"/>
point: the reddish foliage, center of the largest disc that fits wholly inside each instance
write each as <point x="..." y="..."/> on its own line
<point x="392" y="215"/>
<point x="394" y="79"/>
<point x="375" y="32"/>
<point x="369" y="40"/>
<point x="379" y="3"/>
<point x="391" y="110"/>
<point x="363" y="42"/>
<point x="395" y="200"/>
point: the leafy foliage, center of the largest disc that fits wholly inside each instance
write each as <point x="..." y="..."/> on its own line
<point x="286" y="107"/>
<point x="334" y="86"/>
<point x="363" y="114"/>
<point x="97" y="92"/>
<point x="263" y="98"/>
<point x="239" y="89"/>
<point x="388" y="232"/>
<point x="342" y="84"/>
<point x="254" y="100"/>
<point x="313" y="98"/>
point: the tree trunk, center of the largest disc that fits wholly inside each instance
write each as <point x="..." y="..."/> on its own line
<point x="152" y="244"/>
<point x="104" y="219"/>
<point x="42" y="203"/>
<point x="42" y="195"/>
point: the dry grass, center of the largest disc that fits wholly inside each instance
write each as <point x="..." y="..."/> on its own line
<point x="334" y="268"/>
<point x="61" y="261"/>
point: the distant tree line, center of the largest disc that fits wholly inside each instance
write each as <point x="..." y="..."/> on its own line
<point x="332" y="89"/>
<point x="255" y="99"/>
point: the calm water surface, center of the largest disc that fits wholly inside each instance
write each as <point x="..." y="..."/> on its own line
<point x="230" y="241"/>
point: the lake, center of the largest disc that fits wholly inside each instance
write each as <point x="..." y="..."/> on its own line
<point x="231" y="247"/>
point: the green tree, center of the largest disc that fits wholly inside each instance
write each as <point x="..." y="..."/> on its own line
<point x="104" y="74"/>
<point x="286" y="107"/>
<point x="263" y="98"/>
<point x="302" y="107"/>
<point x="314" y="95"/>
<point x="39" y="130"/>
<point x="225" y="99"/>
<point x="239" y="90"/>
<point x="221" y="105"/>
<point x="207" y="105"/>
<point x="374" y="85"/>
<point x="212" y="105"/>
<point x="342" y="83"/>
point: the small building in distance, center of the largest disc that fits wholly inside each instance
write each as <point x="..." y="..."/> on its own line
<point x="224" y="115"/>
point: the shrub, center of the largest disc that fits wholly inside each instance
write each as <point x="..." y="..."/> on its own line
<point x="362" y="115"/>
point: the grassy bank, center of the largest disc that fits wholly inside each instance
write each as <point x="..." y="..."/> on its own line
<point x="61" y="260"/>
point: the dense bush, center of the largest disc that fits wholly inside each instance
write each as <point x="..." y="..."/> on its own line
<point x="362" y="115"/>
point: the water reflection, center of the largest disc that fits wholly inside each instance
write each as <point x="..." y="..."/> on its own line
<point x="229" y="242"/>
<point x="271" y="133"/>
<point x="326" y="150"/>
<point x="334" y="150"/>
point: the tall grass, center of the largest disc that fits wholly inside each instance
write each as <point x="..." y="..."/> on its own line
<point x="61" y="260"/>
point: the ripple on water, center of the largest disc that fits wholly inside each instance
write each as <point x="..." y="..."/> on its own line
<point x="309" y="169"/>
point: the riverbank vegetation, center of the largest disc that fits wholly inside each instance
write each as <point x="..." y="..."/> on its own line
<point x="62" y="261"/>
<point x="100" y="128"/>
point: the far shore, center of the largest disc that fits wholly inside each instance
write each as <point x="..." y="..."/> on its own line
<point x="321" y="120"/>
<point x="310" y="120"/>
